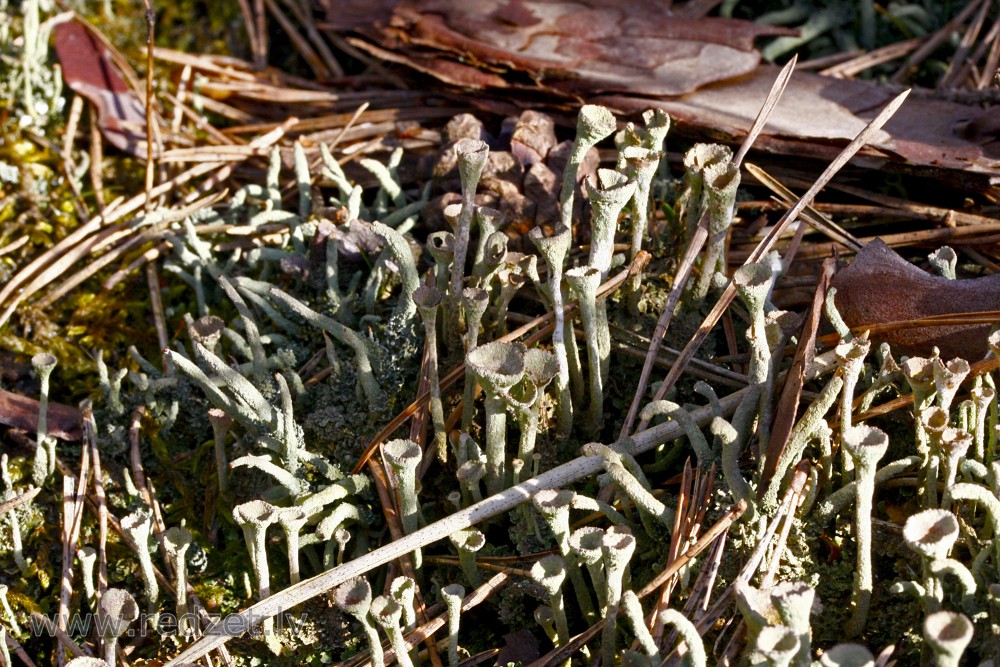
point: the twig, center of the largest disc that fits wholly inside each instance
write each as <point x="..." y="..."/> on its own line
<point x="19" y="650"/>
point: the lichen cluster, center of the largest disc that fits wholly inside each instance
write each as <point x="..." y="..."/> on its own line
<point x="303" y="329"/>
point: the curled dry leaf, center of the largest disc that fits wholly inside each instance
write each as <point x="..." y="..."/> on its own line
<point x="90" y="71"/>
<point x="880" y="286"/>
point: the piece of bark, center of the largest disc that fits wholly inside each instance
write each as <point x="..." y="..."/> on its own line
<point x="880" y="286"/>
<point x="572" y="50"/>
<point x="21" y="412"/>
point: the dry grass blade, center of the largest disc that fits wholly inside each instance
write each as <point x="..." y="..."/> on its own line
<point x="301" y="44"/>
<point x="780" y="83"/>
<point x="19" y="651"/>
<point x="131" y="240"/>
<point x="90" y="441"/>
<point x="392" y="518"/>
<point x="819" y="221"/>
<point x="495" y="505"/>
<point x="769" y="241"/>
<point x="630" y="343"/>
<point x="56" y="260"/>
<point x="888" y="53"/>
<point x="799" y="477"/>
<point x="64" y="639"/>
<point x="960" y="59"/>
<point x="695" y="493"/>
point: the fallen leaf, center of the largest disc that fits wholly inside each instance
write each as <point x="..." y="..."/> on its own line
<point x="880" y="286"/>
<point x="21" y="412"/>
<point x="90" y="71"/>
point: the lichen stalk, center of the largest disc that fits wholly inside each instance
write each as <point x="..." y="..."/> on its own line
<point x="428" y="299"/>
<point x="948" y="634"/>
<point x="220" y="428"/>
<point x="633" y="612"/>
<point x="453" y="595"/>
<point x="593" y="124"/>
<point x="474" y="304"/>
<point x="954" y="445"/>
<point x="737" y="484"/>
<point x="176" y="541"/>
<point x="618" y="547"/>
<point x="948" y="378"/>
<point x="554" y="507"/>
<point x="138" y="526"/>
<point x="45" y="451"/>
<point x="776" y="646"/>
<point x="584" y="283"/>
<point x="587" y="544"/>
<point x="615" y="467"/>
<point x="866" y="445"/>
<point x="12" y="517"/>
<point x="468" y="541"/>
<point x="403" y="256"/>
<point x="933" y="422"/>
<point x="472" y="155"/>
<point x="499" y="365"/>
<point x="721" y="181"/>
<point x="641" y="164"/>
<point x="354" y="596"/>
<point x="794" y="602"/>
<point x="606" y="203"/>
<point x="681" y="416"/>
<point x="88" y="559"/>
<point x="539" y="370"/>
<point x="753" y="284"/>
<point x="118" y="610"/>
<point x="550" y="572"/>
<point x="292" y="520"/>
<point x="403" y="457"/>
<point x="982" y="397"/>
<point x="366" y="376"/>
<point x="554" y="250"/>
<point x="441" y="246"/>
